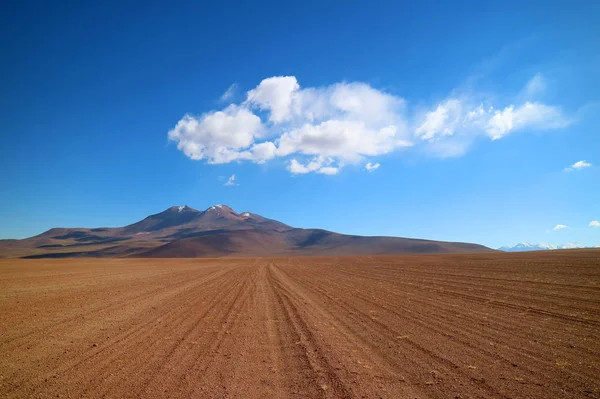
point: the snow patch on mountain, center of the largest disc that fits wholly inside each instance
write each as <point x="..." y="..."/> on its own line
<point x="525" y="246"/>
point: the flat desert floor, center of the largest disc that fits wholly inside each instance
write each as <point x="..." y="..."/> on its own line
<point x="427" y="326"/>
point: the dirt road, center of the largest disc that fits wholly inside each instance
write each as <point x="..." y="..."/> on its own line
<point x="451" y="326"/>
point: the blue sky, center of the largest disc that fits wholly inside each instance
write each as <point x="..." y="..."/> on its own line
<point x="469" y="115"/>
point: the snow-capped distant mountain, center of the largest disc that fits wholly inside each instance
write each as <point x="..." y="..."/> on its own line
<point x="573" y="245"/>
<point x="525" y="246"/>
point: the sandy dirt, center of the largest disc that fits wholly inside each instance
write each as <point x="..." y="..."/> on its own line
<point x="428" y="326"/>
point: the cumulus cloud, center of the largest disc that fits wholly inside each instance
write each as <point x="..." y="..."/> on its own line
<point x="347" y="121"/>
<point x="262" y="152"/>
<point x="346" y="140"/>
<point x="218" y="136"/>
<point x="581" y="165"/>
<point x="328" y="170"/>
<point x="275" y="95"/>
<point x="321" y="129"/>
<point x="559" y="227"/>
<point x="231" y="181"/>
<point x="578" y="166"/>
<point x="594" y="223"/>
<point x="370" y="167"/>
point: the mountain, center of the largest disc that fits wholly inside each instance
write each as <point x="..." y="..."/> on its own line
<point x="182" y="231"/>
<point x="174" y="216"/>
<point x="525" y="246"/>
<point x="189" y="221"/>
<point x="301" y="242"/>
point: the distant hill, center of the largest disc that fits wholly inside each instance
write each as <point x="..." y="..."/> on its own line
<point x="181" y="231"/>
<point x="525" y="246"/>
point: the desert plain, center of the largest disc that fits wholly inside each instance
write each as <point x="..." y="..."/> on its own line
<point x="490" y="325"/>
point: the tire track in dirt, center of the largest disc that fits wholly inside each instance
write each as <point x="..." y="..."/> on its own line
<point x="418" y="350"/>
<point x="351" y="359"/>
<point x="224" y="318"/>
<point x="311" y="354"/>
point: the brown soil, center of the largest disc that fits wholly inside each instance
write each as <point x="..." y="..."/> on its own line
<point x="415" y="326"/>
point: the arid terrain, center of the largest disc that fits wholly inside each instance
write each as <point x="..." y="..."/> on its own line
<point x="492" y="325"/>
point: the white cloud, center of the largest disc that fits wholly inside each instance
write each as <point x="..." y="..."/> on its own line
<point x="218" y="136"/>
<point x="275" y="95"/>
<point x="346" y="140"/>
<point x="345" y="120"/>
<point x="572" y="245"/>
<point x="361" y="102"/>
<point x="560" y="227"/>
<point x="347" y="123"/>
<point x="527" y="116"/>
<point x="442" y="121"/>
<point x="318" y="164"/>
<point x="229" y="93"/>
<point x="328" y="170"/>
<point x="370" y="167"/>
<point x="456" y="115"/>
<point x="581" y="165"/>
<point x="594" y="223"/>
<point x="297" y="168"/>
<point x="262" y="152"/>
<point x="231" y="181"/>
<point x="578" y="166"/>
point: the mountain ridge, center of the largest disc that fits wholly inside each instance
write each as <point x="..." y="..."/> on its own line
<point x="182" y="231"/>
<point x="526" y="246"/>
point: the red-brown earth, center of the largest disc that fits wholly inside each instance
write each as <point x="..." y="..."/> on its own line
<point x="491" y="325"/>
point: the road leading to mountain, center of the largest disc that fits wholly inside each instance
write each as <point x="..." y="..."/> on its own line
<point x="424" y="326"/>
